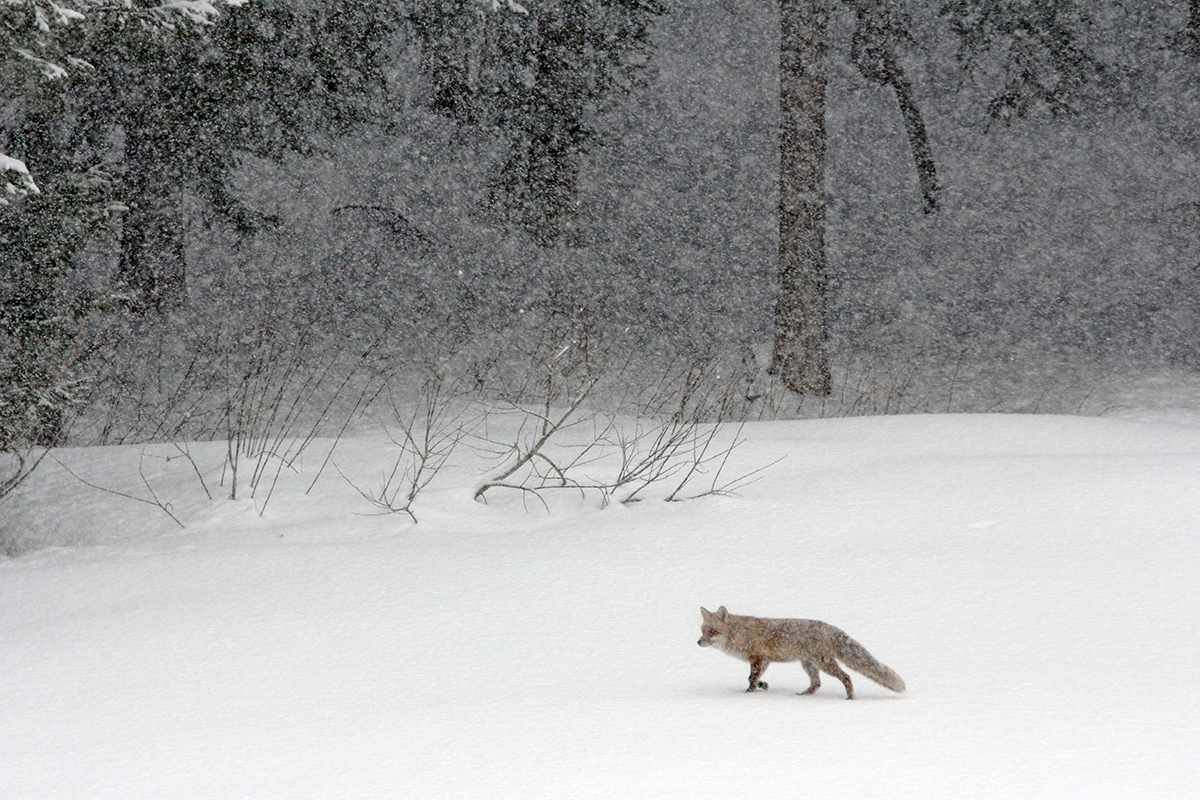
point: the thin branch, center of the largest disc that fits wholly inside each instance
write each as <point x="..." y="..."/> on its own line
<point x="154" y="502"/>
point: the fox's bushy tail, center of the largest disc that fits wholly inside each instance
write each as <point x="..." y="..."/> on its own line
<point x="856" y="657"/>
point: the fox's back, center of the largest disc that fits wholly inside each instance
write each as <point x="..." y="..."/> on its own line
<point x="779" y="639"/>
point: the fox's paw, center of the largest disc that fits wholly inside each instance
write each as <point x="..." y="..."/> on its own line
<point x="760" y="685"/>
<point x="809" y="690"/>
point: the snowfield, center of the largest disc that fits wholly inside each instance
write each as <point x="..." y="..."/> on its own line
<point x="1034" y="579"/>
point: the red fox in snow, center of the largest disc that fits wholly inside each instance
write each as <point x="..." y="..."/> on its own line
<point x="811" y="642"/>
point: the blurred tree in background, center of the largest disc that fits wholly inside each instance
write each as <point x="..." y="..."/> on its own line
<point x="538" y="78"/>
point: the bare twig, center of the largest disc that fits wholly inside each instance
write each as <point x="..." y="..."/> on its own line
<point x="153" y="501"/>
<point x="24" y="468"/>
<point x="183" y="449"/>
<point x="430" y="432"/>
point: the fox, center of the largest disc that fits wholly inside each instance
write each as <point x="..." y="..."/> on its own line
<point x="813" y="643"/>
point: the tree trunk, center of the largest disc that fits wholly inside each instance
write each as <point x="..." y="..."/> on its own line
<point x="152" y="265"/>
<point x="552" y="146"/>
<point x="800" y="357"/>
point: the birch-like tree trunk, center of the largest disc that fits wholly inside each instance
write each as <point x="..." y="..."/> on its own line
<point x="800" y="357"/>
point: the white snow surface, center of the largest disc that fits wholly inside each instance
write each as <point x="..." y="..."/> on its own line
<point x="1034" y="579"/>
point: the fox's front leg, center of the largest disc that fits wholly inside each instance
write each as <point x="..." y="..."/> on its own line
<point x="757" y="667"/>
<point x="814" y="677"/>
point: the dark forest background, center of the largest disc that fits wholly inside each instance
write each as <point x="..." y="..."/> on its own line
<point x="374" y="189"/>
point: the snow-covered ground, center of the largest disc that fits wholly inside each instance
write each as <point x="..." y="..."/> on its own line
<point x="1034" y="579"/>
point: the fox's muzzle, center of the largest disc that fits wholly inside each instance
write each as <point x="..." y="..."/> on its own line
<point x="704" y="642"/>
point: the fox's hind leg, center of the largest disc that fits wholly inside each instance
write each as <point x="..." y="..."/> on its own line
<point x="757" y="667"/>
<point x="814" y="677"/>
<point x="831" y="666"/>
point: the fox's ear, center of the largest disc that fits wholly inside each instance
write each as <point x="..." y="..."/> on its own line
<point x="722" y="613"/>
<point x="704" y="612"/>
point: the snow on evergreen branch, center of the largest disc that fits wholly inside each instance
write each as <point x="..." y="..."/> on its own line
<point x="30" y="29"/>
<point x="511" y="4"/>
<point x="24" y="181"/>
<point x="35" y="41"/>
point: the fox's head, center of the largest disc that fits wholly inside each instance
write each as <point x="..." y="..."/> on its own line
<point x="715" y="627"/>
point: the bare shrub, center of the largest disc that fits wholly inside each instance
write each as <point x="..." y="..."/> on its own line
<point x="427" y="431"/>
<point x="277" y="401"/>
<point x="587" y="421"/>
<point x="561" y="372"/>
<point x="920" y="383"/>
<point x="684" y="446"/>
<point x="253" y="365"/>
